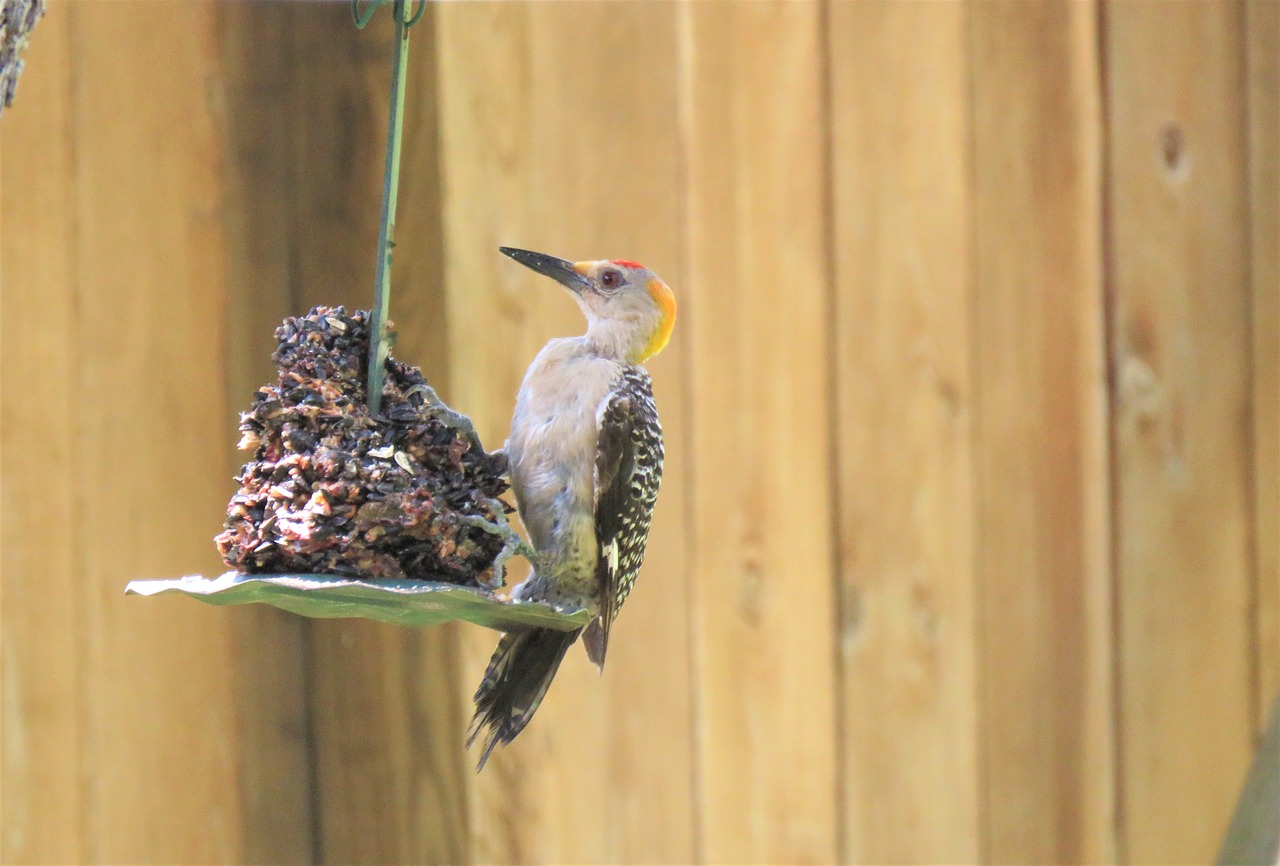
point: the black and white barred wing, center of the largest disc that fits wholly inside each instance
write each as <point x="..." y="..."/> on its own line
<point x="628" y="474"/>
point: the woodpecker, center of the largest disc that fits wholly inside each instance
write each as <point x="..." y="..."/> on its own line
<point x="586" y="460"/>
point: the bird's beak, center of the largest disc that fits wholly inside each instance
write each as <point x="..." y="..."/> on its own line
<point x="558" y="269"/>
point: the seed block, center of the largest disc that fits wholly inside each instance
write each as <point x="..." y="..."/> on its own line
<point x="407" y="494"/>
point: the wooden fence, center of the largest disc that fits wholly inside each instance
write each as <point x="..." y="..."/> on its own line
<point x="968" y="545"/>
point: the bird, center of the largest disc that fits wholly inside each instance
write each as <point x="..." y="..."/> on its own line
<point x="585" y="454"/>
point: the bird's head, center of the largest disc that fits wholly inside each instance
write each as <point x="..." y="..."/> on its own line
<point x="630" y="311"/>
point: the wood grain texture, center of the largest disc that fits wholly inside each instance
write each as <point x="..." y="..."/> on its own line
<point x="269" y="646"/>
<point x="1180" y="331"/>
<point x="158" y="720"/>
<point x="543" y="153"/>
<point x="904" y="418"/>
<point x="920" y="588"/>
<point x="385" y="714"/>
<point x="391" y="782"/>
<point x="1263" y="49"/>
<point x="40" y="593"/>
<point x="757" y="328"/>
<point x="1042" y="458"/>
<point x="437" y="706"/>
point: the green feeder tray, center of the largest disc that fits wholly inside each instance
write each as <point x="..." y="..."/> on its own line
<point x="403" y="602"/>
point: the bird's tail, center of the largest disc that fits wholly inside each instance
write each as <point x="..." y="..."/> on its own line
<point x="521" y="670"/>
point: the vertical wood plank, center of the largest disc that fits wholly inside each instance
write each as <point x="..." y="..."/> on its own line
<point x="558" y="134"/>
<point x="386" y="714"/>
<point x="1042" y="450"/>
<point x="904" y="416"/>
<point x="1263" y="47"/>
<point x="336" y="135"/>
<point x="757" y="326"/>
<point x="184" y="185"/>
<point x="1176" y="111"/>
<point x="40" y="606"/>
<point x="391" y="785"/>
<point x="158" y="717"/>
<point x="434" y="686"/>
<point x="269" y="646"/>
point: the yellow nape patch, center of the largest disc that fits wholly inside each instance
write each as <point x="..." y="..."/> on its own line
<point x="666" y="301"/>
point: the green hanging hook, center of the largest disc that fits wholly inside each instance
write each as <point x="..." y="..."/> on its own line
<point x="362" y="18"/>
<point x="379" y="343"/>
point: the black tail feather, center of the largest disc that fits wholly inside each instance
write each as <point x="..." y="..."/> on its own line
<point x="519" y="673"/>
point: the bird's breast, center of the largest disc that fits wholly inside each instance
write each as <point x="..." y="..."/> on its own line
<point x="552" y="449"/>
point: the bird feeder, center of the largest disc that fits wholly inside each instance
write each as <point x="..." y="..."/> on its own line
<point x="366" y="496"/>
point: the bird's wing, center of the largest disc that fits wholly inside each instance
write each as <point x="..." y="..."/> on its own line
<point x="615" y="465"/>
<point x="628" y="473"/>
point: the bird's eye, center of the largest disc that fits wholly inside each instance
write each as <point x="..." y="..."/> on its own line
<point x="611" y="279"/>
